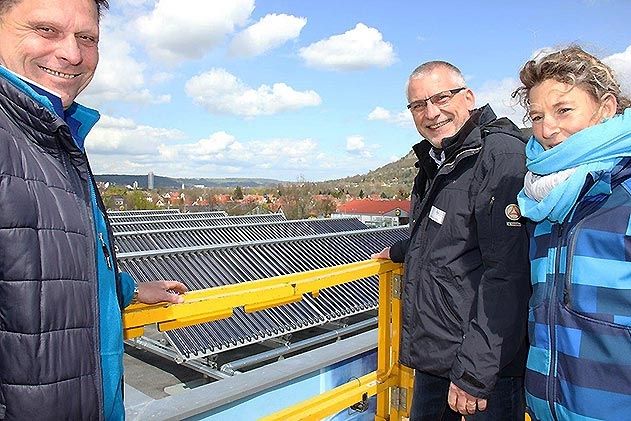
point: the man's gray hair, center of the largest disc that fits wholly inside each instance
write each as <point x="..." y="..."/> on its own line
<point x="428" y="67"/>
<point x="6" y="5"/>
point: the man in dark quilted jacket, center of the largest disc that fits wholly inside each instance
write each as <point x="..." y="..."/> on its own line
<point x="61" y="294"/>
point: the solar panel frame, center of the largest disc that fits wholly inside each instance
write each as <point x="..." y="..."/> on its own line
<point x="223" y="264"/>
<point x="187" y="223"/>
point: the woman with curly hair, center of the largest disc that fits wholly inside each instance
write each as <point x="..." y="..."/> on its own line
<point x="578" y="193"/>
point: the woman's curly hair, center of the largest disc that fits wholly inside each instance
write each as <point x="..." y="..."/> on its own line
<point x="574" y="66"/>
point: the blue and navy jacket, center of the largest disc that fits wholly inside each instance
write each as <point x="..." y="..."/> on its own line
<point x="61" y="295"/>
<point x="579" y="364"/>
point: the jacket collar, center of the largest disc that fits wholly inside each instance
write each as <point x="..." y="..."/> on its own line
<point x="468" y="136"/>
<point x="79" y="119"/>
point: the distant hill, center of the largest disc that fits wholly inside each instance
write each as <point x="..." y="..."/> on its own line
<point x="401" y="170"/>
<point x="391" y="180"/>
<point x="160" y="182"/>
<point x="387" y="179"/>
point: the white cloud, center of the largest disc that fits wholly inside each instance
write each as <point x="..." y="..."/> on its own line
<point x="621" y="64"/>
<point x="402" y="118"/>
<point x="120" y="145"/>
<point x="116" y="56"/>
<point x="161" y="77"/>
<point x="122" y="136"/>
<point x="291" y="148"/>
<point x="218" y="146"/>
<point x="123" y="146"/>
<point x="221" y="92"/>
<point x="356" y="145"/>
<point x="174" y="32"/>
<point x="356" y="49"/>
<point x="332" y="165"/>
<point x="269" y="32"/>
<point x="497" y="93"/>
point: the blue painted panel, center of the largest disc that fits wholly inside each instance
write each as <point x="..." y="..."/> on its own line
<point x="298" y="390"/>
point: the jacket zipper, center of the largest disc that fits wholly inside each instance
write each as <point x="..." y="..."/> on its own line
<point x="552" y="315"/>
<point x="97" y="314"/>
<point x="70" y="168"/>
<point x="459" y="156"/>
<point x="571" y="240"/>
<point x="105" y="251"/>
<point x="445" y="169"/>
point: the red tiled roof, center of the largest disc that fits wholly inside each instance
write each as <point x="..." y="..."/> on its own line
<point x="373" y="207"/>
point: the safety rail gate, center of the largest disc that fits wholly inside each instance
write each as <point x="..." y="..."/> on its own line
<point x="391" y="382"/>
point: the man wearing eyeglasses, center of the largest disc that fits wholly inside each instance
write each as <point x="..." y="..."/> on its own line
<point x="466" y="284"/>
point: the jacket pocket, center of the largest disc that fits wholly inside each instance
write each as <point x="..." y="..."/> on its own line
<point x="432" y="324"/>
<point x="448" y="303"/>
<point x="538" y="327"/>
<point x="593" y="365"/>
<point x="440" y="304"/>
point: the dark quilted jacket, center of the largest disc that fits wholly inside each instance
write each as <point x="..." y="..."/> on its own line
<point x="49" y="366"/>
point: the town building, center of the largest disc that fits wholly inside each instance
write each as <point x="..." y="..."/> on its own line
<point x="376" y="213"/>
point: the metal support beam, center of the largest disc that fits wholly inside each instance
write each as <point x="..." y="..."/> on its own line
<point x="157" y="348"/>
<point x="232" y="368"/>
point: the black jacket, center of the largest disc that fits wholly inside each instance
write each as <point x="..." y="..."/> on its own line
<point x="466" y="283"/>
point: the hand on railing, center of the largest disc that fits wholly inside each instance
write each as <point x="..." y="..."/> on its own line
<point x="383" y="254"/>
<point x="161" y="291"/>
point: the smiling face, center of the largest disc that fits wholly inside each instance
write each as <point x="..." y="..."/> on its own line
<point x="54" y="43"/>
<point x="436" y="123"/>
<point x="558" y="110"/>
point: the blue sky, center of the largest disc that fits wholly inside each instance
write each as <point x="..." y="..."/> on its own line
<point x="315" y="90"/>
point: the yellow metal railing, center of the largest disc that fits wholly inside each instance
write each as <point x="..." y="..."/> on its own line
<point x="392" y="382"/>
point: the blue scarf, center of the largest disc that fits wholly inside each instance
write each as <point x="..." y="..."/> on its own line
<point x="594" y="150"/>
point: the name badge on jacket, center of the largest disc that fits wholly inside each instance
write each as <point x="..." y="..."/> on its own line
<point x="437" y="215"/>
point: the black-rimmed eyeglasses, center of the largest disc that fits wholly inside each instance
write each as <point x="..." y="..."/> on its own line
<point x="440" y="100"/>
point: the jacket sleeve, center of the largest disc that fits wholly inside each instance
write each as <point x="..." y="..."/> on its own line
<point x="398" y="250"/>
<point x="127" y="287"/>
<point x="497" y="329"/>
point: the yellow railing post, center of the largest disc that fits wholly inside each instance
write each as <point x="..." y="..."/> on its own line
<point x="384" y="362"/>
<point x="405" y="375"/>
